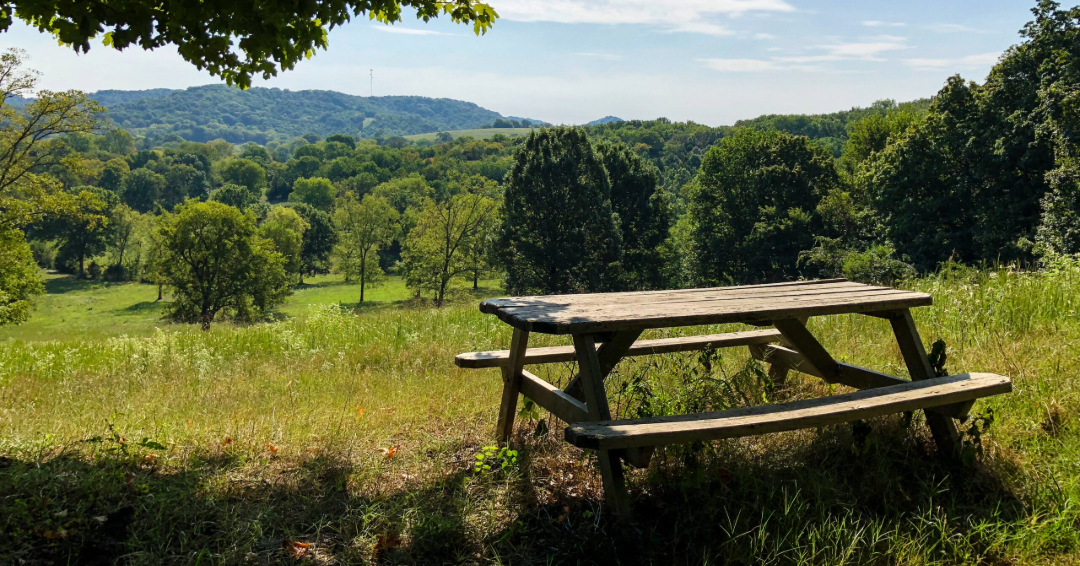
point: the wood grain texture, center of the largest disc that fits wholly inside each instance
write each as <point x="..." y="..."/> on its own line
<point x="511" y="385"/>
<point x="812" y="413"/>
<point x="560" y="354"/>
<point x="602" y="312"/>
<point x="553" y="399"/>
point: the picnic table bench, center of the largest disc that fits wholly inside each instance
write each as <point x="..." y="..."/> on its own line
<point x="606" y="326"/>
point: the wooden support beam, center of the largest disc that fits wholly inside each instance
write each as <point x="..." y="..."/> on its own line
<point x="607" y="356"/>
<point x="557" y="402"/>
<point x="512" y="385"/>
<point x="819" y="358"/>
<point x="943" y="428"/>
<point x="592" y="383"/>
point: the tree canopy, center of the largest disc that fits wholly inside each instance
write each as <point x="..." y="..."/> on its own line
<point x="234" y="40"/>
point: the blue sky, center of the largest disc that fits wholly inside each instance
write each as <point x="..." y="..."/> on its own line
<point x="571" y="61"/>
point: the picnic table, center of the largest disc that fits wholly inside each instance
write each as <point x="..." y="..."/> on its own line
<point x="606" y="326"/>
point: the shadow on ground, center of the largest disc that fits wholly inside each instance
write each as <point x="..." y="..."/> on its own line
<point x="822" y="501"/>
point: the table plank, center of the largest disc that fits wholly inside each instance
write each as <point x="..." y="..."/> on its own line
<point x="603" y="312"/>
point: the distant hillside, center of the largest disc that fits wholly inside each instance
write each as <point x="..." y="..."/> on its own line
<point x="829" y="129"/>
<point x="605" y="120"/>
<point x="263" y="114"/>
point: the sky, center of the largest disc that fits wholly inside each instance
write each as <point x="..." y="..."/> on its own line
<point x="572" y="61"/>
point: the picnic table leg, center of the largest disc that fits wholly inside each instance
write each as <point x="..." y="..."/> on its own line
<point x="511" y="385"/>
<point x="592" y="382"/>
<point x="911" y="347"/>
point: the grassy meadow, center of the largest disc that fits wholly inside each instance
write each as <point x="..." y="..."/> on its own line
<point x="479" y="133"/>
<point x="338" y="435"/>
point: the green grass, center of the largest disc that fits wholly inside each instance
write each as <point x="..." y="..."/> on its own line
<point x="74" y="309"/>
<point x="264" y="441"/>
<point x="480" y="133"/>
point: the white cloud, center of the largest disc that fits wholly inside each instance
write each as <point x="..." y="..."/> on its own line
<point x="764" y="36"/>
<point x="605" y="56"/>
<point x="409" y="31"/>
<point x="969" y="62"/>
<point x="689" y="16"/>
<point x="880" y="24"/>
<point x="954" y="28"/>
<point x="849" y="51"/>
<point x="752" y="66"/>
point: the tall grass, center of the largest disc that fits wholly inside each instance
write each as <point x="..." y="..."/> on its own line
<point x="356" y="434"/>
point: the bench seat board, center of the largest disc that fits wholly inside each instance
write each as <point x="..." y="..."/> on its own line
<point x="603" y="312"/>
<point x="557" y="354"/>
<point x="811" y="413"/>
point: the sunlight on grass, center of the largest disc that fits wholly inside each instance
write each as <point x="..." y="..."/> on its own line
<point x="353" y="431"/>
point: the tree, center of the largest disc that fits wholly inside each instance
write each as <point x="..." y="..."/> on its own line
<point x="285" y="228"/>
<point x="234" y="195"/>
<point x="142" y="189"/>
<point x="363" y="227"/>
<point x="182" y="182"/>
<point x="319" y="240"/>
<point x="440" y="246"/>
<point x="112" y="175"/>
<point x="270" y="35"/>
<point x="244" y="172"/>
<point x="83" y="233"/>
<point x="754" y="206"/>
<point x="642" y="213"/>
<point x="118" y="141"/>
<point x="19" y="280"/>
<point x="316" y="191"/>
<point x="559" y="234"/>
<point x="214" y="261"/>
<point x="124" y="223"/>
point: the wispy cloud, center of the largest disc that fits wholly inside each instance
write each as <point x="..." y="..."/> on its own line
<point x="880" y="24"/>
<point x="764" y="36"/>
<point x="848" y="51"/>
<point x="954" y="28"/>
<point x="969" y="62"/>
<point x="409" y="31"/>
<point x="605" y="56"/>
<point x="752" y="65"/>
<point x="687" y="16"/>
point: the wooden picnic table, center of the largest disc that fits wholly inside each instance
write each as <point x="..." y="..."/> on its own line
<point x="606" y="326"/>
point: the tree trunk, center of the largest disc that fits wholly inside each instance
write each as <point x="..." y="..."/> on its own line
<point x="206" y="318"/>
<point x="159" y="290"/>
<point x="82" y="274"/>
<point x="476" y="279"/>
<point x="363" y="272"/>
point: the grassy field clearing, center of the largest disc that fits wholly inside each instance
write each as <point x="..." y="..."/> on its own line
<point x="480" y="133"/>
<point x="75" y="309"/>
<point x="354" y="434"/>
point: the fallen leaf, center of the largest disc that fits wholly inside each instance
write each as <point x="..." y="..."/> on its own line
<point x="294" y="548"/>
<point x="226" y="441"/>
<point x="60" y="513"/>
<point x="129" y="479"/>
<point x="271" y="448"/>
<point x="53" y="535"/>
<point x="359" y="413"/>
<point x="385" y="542"/>
<point x="151" y="458"/>
<point x="101" y="518"/>
<point x="389" y="451"/>
<point x="189" y="421"/>
<point x="389" y="410"/>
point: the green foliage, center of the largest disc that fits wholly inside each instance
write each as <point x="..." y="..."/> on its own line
<point x="754" y="206"/>
<point x="285" y="228"/>
<point x="263" y="115"/>
<point x="112" y="175"/>
<point x="363" y="227"/>
<point x="214" y="261"/>
<point x="271" y="36"/>
<point x="244" y="172"/>
<point x="559" y="234"/>
<point x="316" y="191"/>
<point x="642" y="215"/>
<point x="19" y="282"/>
<point x="235" y="196"/>
<point x="319" y="239"/>
<point x="493" y="459"/>
<point x="445" y="241"/>
<point x="142" y="189"/>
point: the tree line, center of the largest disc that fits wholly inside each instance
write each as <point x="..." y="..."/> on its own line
<point x="981" y="173"/>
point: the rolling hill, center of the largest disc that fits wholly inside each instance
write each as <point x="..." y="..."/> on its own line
<point x="260" y="115"/>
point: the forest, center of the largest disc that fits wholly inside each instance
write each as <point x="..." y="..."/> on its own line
<point x="981" y="174"/>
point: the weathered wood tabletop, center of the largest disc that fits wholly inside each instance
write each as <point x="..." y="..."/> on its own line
<point x="603" y="312"/>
